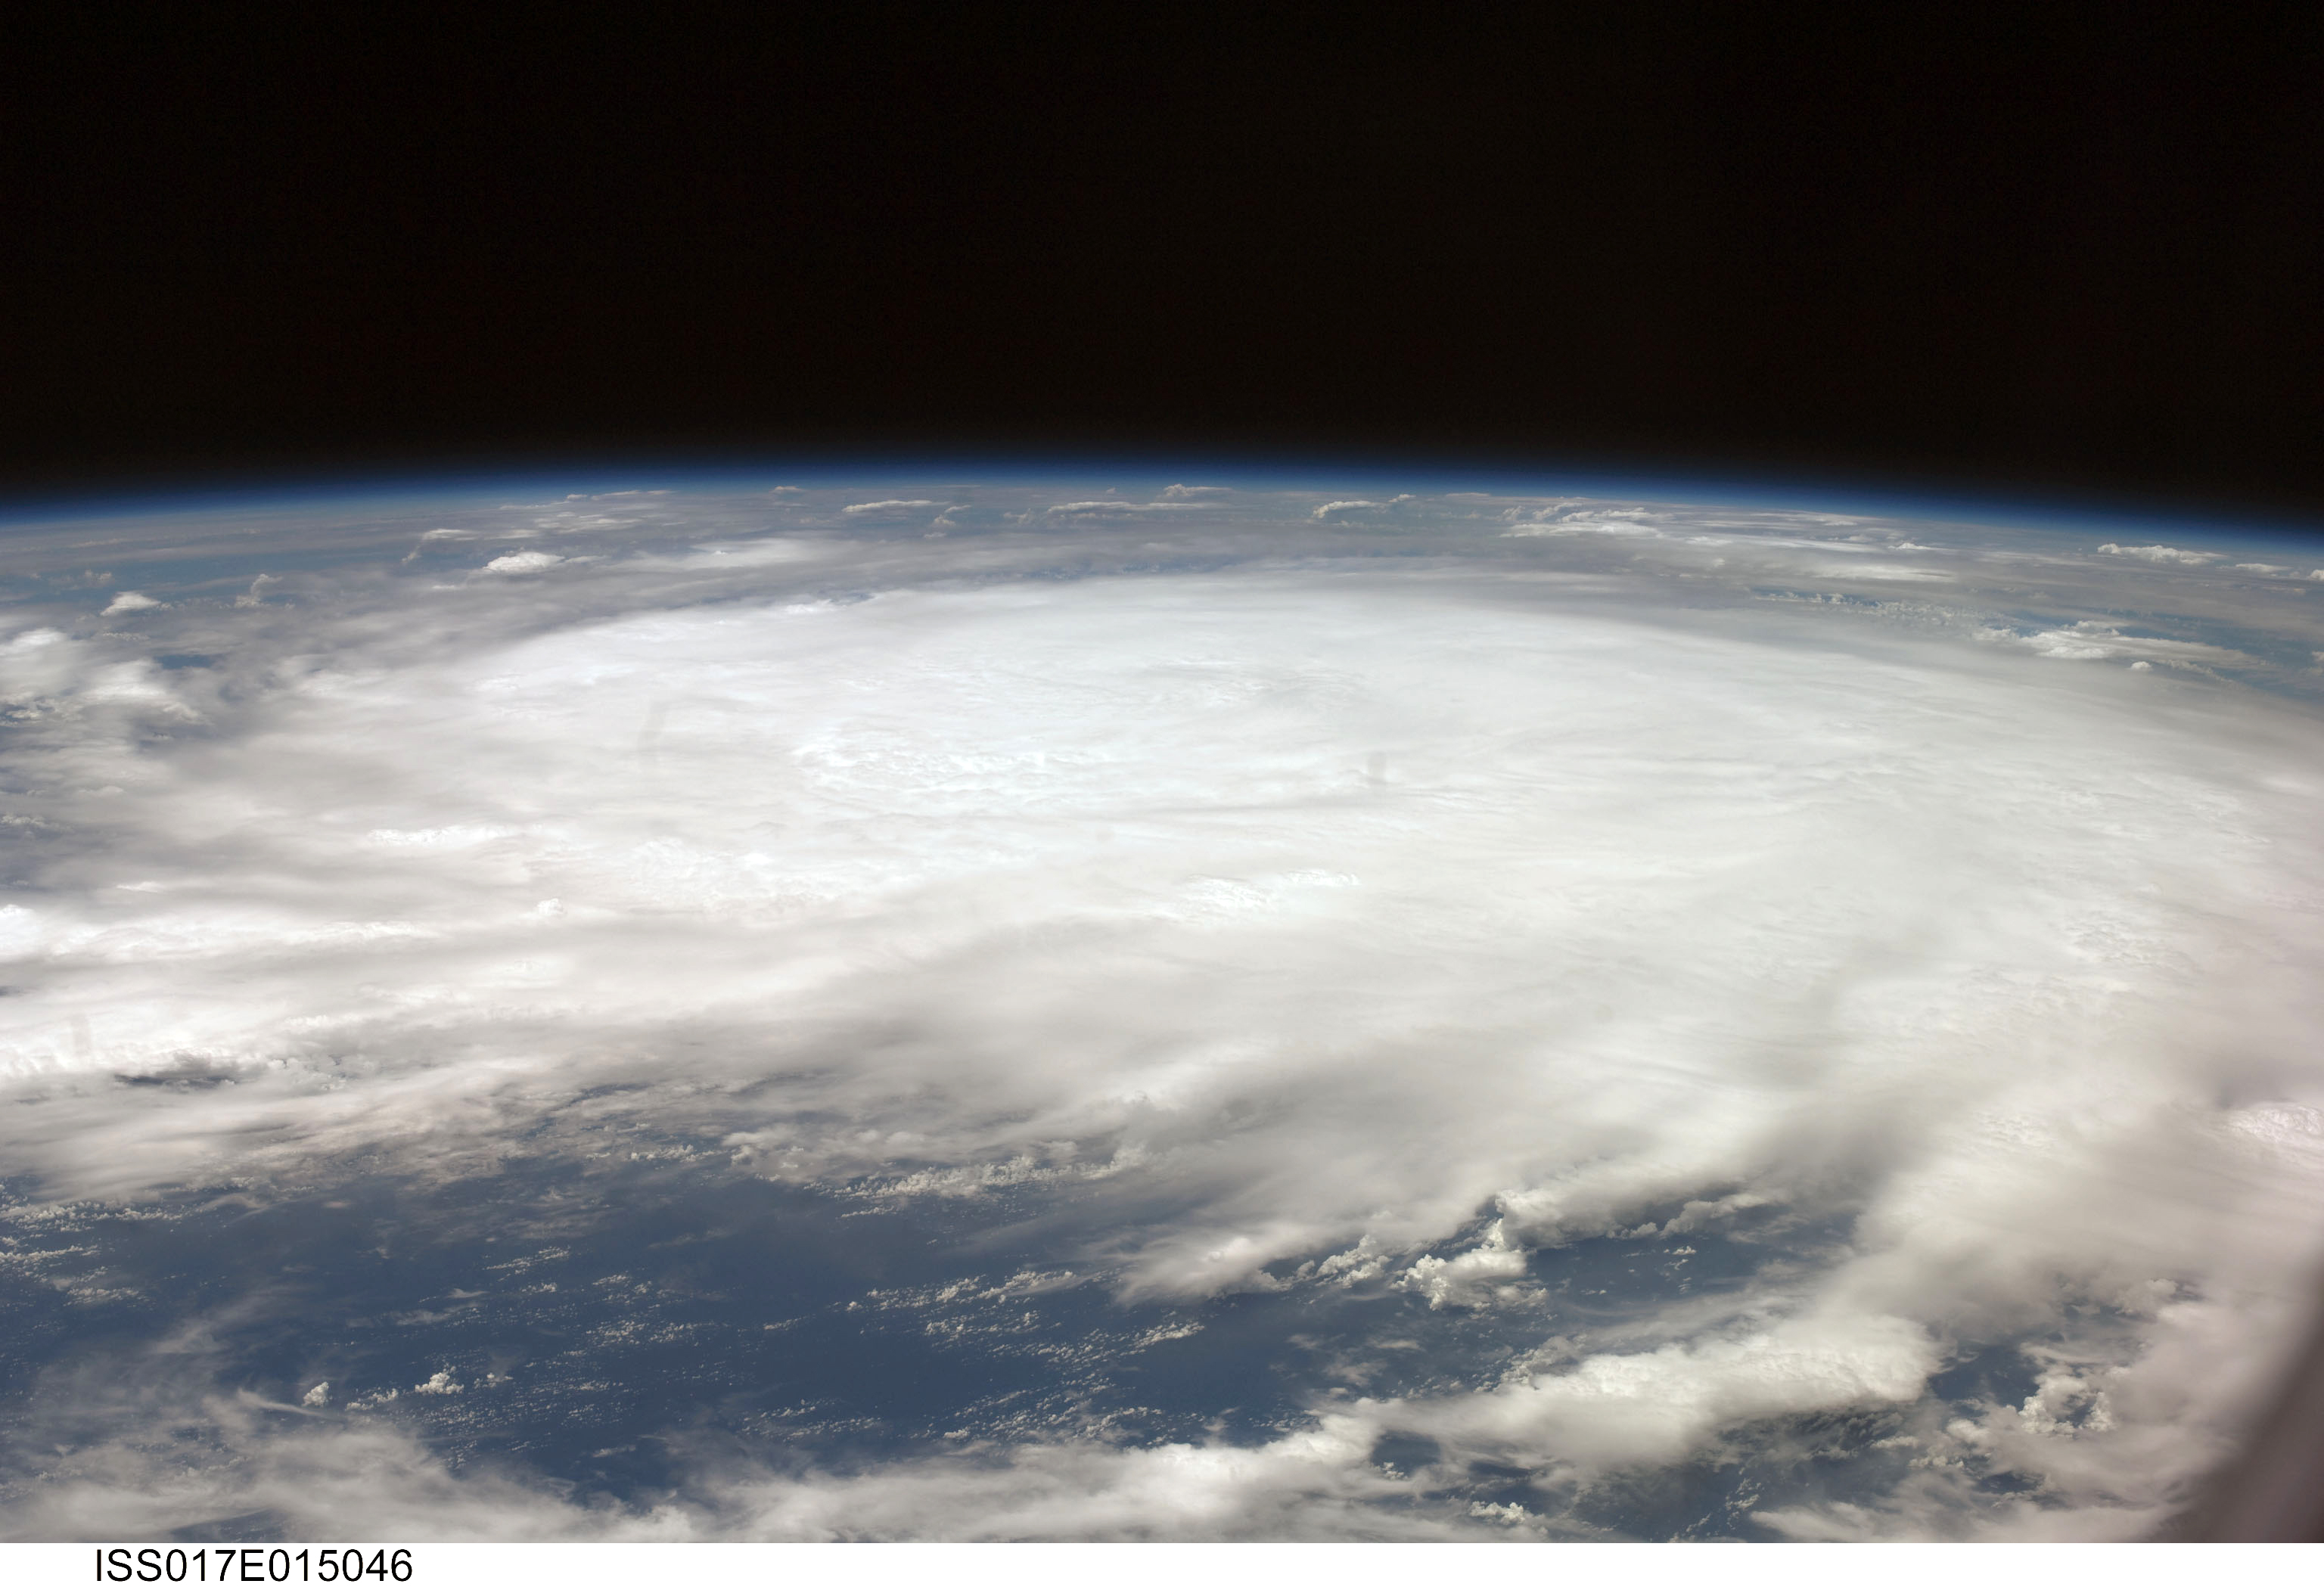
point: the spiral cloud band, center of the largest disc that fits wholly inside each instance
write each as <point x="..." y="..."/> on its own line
<point x="1028" y="1010"/>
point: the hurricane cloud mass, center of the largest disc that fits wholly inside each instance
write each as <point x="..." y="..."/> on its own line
<point x="1442" y="920"/>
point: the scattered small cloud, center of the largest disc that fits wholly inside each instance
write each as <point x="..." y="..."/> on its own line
<point x="2162" y="554"/>
<point x="2099" y="641"/>
<point x="729" y="556"/>
<point x="1100" y="509"/>
<point x="1634" y="522"/>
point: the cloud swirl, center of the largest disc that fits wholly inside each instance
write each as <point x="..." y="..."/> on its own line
<point x="1254" y="918"/>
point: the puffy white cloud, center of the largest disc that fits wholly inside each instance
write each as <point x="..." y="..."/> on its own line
<point x="1559" y="518"/>
<point x="2090" y="640"/>
<point x="524" y="562"/>
<point x="1314" y="1486"/>
<point x="2164" y="554"/>
<point x="1468" y="1278"/>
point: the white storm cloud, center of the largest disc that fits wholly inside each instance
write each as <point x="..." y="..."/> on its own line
<point x="2004" y="972"/>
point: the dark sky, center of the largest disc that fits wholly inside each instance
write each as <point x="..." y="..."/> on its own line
<point x="2023" y="251"/>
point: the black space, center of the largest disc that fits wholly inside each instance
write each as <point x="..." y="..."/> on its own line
<point x="2078" y="249"/>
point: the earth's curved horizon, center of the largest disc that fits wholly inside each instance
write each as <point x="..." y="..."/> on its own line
<point x="910" y="1004"/>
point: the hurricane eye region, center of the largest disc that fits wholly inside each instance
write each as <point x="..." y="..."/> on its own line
<point x="1031" y="1008"/>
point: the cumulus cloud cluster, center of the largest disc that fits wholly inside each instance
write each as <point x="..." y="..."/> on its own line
<point x="1323" y="927"/>
<point x="2162" y="554"/>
